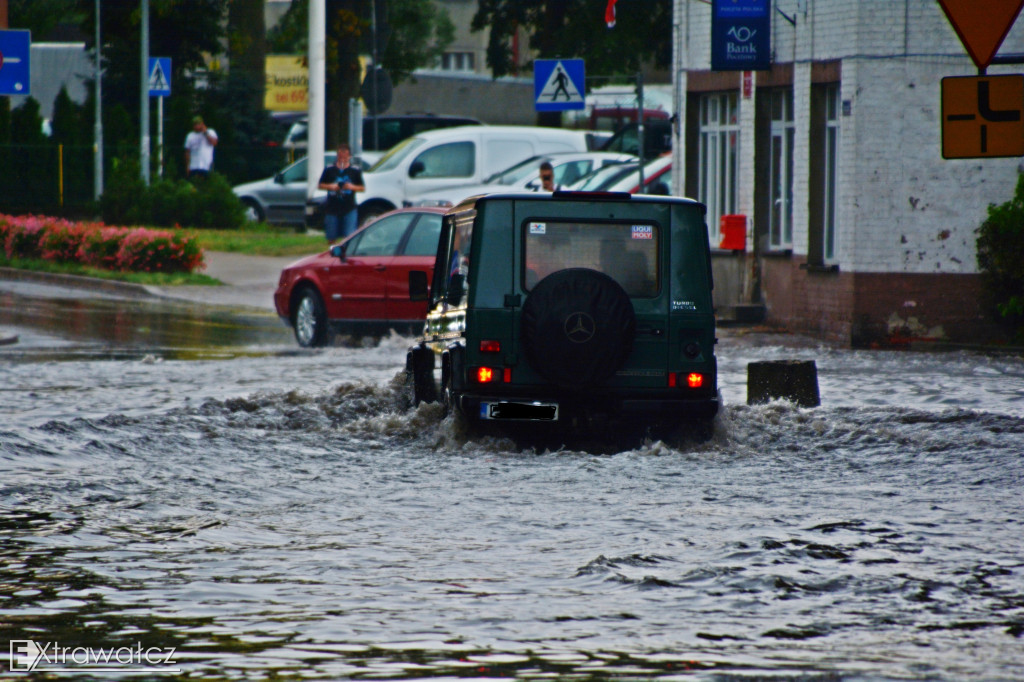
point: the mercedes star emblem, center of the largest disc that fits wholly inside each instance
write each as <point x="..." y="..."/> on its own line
<point x="580" y="327"/>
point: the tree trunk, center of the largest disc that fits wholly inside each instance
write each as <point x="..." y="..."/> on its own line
<point x="247" y="46"/>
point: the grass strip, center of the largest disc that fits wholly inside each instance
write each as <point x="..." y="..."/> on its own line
<point x="260" y="240"/>
<point x="152" y="278"/>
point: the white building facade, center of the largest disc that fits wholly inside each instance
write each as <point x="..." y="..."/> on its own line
<point x="858" y="231"/>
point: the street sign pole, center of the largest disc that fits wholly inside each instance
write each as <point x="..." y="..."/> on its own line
<point x="160" y="136"/>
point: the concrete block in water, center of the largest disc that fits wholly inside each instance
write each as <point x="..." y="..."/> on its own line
<point x="795" y="380"/>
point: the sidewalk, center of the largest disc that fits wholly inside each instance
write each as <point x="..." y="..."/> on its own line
<point x="248" y="281"/>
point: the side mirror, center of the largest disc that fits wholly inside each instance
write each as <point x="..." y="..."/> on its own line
<point x="659" y="189"/>
<point x="416" y="168"/>
<point x="338" y="251"/>
<point x="455" y="285"/>
<point x="279" y="178"/>
<point x="419" y="288"/>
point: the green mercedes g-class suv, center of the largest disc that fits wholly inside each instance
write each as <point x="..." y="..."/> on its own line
<point x="586" y="311"/>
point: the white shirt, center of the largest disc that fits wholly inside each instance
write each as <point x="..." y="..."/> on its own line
<point x="200" y="149"/>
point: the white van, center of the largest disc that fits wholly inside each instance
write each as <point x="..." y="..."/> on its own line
<point x="449" y="157"/>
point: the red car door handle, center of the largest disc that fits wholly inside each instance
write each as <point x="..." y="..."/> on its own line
<point x="380" y="268"/>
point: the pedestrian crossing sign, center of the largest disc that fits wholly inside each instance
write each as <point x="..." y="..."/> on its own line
<point x="558" y="84"/>
<point x="159" y="76"/>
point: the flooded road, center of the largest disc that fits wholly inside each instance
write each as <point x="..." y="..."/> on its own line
<point x="274" y="513"/>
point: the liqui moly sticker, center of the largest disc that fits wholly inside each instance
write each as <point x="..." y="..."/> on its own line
<point x="643" y="232"/>
<point x="538" y="228"/>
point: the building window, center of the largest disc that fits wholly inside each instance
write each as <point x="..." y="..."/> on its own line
<point x="832" y="105"/>
<point x="458" y="61"/>
<point x="781" y="177"/>
<point x="719" y="157"/>
<point x="823" y="222"/>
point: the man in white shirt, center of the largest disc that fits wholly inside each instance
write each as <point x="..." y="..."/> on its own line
<point x="199" y="146"/>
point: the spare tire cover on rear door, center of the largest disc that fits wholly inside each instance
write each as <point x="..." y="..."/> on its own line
<point x="577" y="327"/>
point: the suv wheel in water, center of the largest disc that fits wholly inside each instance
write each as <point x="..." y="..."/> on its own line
<point x="310" y="319"/>
<point x="419" y="375"/>
<point x="578" y="327"/>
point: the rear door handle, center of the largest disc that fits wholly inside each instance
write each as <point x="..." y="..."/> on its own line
<point x="380" y="268"/>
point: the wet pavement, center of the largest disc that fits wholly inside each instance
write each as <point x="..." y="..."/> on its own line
<point x="183" y="475"/>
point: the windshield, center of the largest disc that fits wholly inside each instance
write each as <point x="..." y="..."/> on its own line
<point x="397" y="154"/>
<point x="510" y="176"/>
<point x="603" y="177"/>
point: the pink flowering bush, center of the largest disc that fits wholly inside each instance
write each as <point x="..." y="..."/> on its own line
<point x="100" y="247"/>
<point x="22" y="237"/>
<point x="62" y="240"/>
<point x="97" y="245"/>
<point x="152" y="251"/>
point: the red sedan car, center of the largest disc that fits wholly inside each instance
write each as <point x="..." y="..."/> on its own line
<point x="361" y="286"/>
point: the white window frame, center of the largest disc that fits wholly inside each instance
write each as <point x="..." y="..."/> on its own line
<point x="719" y="155"/>
<point x="833" y="106"/>
<point x="780" y="169"/>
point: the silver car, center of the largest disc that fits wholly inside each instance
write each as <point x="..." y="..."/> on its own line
<point x="281" y="200"/>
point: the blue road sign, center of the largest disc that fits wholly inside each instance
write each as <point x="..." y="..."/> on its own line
<point x="741" y="35"/>
<point x="14" y="62"/>
<point x="558" y="84"/>
<point x="159" y="76"/>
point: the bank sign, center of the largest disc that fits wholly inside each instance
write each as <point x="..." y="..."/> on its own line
<point x="741" y="32"/>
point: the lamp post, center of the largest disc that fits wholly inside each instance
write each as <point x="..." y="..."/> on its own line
<point x="144" y="95"/>
<point x="97" y="151"/>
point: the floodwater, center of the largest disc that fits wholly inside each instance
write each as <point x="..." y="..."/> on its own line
<point x="272" y="514"/>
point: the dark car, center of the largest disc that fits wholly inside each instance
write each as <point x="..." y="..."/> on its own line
<point x="383" y="132"/>
<point x="570" y="311"/>
<point x="361" y="286"/>
<point x="657" y="139"/>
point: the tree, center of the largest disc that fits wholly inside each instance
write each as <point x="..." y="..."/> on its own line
<point x="576" y="28"/>
<point x="410" y="34"/>
<point x="43" y="17"/>
<point x="247" y="46"/>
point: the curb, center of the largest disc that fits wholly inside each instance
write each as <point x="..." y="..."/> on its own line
<point x="78" y="282"/>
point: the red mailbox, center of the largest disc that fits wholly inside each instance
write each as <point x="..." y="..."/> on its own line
<point x="734" y="232"/>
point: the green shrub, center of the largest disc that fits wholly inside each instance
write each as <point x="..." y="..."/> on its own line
<point x="1001" y="260"/>
<point x="206" y="202"/>
<point x="123" y="193"/>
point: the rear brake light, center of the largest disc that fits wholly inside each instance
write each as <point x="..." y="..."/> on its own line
<point x="484" y="375"/>
<point x="694" y="380"/>
<point x="490" y="346"/>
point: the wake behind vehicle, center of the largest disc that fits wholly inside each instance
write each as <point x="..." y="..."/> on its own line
<point x="570" y="312"/>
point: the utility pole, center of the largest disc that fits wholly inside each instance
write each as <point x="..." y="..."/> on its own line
<point x="97" y="151"/>
<point x="317" y="93"/>
<point x="144" y="95"/>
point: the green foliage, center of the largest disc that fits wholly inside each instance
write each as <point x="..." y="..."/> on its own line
<point x="123" y="190"/>
<point x="576" y="28"/>
<point x="207" y="202"/>
<point x="42" y="17"/>
<point x="1000" y="249"/>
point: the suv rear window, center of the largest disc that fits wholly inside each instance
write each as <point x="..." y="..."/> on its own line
<point x="626" y="252"/>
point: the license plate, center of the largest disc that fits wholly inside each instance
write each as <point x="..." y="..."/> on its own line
<point x="506" y="410"/>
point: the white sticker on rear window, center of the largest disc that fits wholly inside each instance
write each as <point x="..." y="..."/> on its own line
<point x="643" y="232"/>
<point x="538" y="228"/>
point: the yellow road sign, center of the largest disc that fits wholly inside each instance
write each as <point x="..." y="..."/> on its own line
<point x="982" y="116"/>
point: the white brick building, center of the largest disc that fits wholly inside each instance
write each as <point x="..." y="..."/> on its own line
<point x="858" y="230"/>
